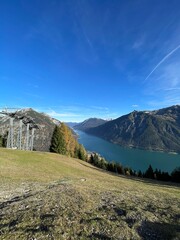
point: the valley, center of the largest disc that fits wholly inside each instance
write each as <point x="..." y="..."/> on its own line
<point x="157" y="130"/>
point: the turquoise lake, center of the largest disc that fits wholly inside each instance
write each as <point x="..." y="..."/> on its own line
<point x="135" y="158"/>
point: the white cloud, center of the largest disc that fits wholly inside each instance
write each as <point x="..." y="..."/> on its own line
<point x="162" y="60"/>
<point x="78" y="113"/>
<point x="164" y="87"/>
<point x="135" y="105"/>
<point x="172" y="89"/>
<point x="171" y="75"/>
<point x="54" y="114"/>
<point x="164" y="102"/>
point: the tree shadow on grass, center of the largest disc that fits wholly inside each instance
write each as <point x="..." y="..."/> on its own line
<point x="158" y="231"/>
<point x="155" y="182"/>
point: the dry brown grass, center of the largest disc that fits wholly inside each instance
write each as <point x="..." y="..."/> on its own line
<point x="49" y="196"/>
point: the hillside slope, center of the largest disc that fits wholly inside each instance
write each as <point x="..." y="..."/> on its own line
<point x="153" y="130"/>
<point x="49" y="196"/>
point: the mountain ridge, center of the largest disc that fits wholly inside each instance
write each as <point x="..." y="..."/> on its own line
<point x="157" y="130"/>
<point x="89" y="123"/>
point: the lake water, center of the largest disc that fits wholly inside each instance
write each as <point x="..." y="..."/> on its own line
<point x="135" y="158"/>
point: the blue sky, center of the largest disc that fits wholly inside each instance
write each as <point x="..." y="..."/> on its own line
<point x="77" y="59"/>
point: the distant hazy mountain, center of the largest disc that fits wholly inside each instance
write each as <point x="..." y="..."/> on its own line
<point x="43" y="135"/>
<point x="71" y="124"/>
<point x="89" y="123"/>
<point x="155" y="130"/>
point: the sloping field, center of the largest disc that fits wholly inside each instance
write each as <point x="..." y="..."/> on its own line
<point x="49" y="196"/>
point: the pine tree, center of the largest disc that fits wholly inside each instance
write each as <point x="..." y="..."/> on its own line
<point x="176" y="175"/>
<point x="140" y="174"/>
<point x="149" y="172"/>
<point x="120" y="168"/>
<point x="82" y="153"/>
<point x="91" y="159"/>
<point x="58" y="144"/>
<point x="1" y="141"/>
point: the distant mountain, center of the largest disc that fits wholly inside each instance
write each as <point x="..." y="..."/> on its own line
<point x="152" y="130"/>
<point x="43" y="135"/>
<point x="71" y="124"/>
<point x="89" y="123"/>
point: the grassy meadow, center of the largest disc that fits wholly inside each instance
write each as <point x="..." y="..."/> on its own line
<point x="50" y="196"/>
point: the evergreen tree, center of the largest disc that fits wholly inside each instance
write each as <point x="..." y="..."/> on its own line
<point x="103" y="164"/>
<point x="58" y="144"/>
<point x="76" y="150"/>
<point x="127" y="171"/>
<point x="111" y="167"/>
<point x="95" y="159"/>
<point x="82" y="153"/>
<point x="140" y="174"/>
<point x="120" y="168"/>
<point x="165" y="176"/>
<point x="175" y="175"/>
<point x="1" y="141"/>
<point x="91" y="159"/>
<point x="158" y="174"/>
<point x="149" y="172"/>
